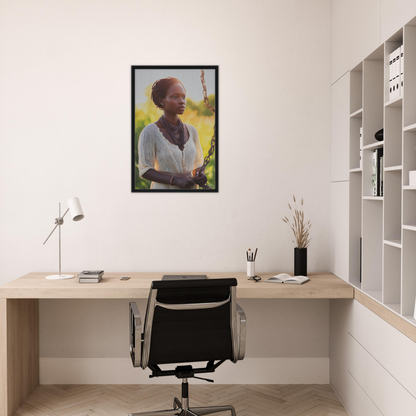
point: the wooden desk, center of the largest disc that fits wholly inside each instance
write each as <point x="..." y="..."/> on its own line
<point x="19" y="315"/>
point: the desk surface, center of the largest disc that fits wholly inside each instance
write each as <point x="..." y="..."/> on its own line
<point x="35" y="286"/>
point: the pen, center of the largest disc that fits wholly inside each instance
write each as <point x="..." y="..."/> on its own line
<point x="255" y="255"/>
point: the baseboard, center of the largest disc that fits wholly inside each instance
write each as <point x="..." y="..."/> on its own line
<point x="248" y="371"/>
<point x="340" y="399"/>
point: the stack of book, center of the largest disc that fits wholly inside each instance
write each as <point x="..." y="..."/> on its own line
<point x="91" y="276"/>
<point x="412" y="178"/>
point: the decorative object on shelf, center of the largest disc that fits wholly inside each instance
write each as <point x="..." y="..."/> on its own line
<point x="379" y="135"/>
<point x="74" y="207"/>
<point x="302" y="240"/>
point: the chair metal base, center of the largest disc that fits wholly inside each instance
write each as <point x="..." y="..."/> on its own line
<point x="180" y="410"/>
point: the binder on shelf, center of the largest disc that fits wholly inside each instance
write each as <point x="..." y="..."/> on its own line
<point x="391" y="57"/>
<point x="401" y="69"/>
<point x="394" y="74"/>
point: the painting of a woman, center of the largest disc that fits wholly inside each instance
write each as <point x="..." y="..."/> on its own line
<point x="174" y="129"/>
<point x="169" y="150"/>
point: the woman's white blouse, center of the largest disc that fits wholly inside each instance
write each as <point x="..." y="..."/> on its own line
<point x="156" y="152"/>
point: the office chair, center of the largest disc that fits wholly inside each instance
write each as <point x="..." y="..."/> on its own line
<point x="187" y="322"/>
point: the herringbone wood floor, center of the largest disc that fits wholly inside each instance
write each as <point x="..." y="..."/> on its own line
<point x="121" y="400"/>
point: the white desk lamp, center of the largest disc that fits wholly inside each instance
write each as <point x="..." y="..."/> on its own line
<point x="74" y="207"/>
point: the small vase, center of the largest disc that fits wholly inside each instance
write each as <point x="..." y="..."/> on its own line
<point x="301" y="261"/>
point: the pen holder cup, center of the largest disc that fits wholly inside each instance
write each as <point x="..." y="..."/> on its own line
<point x="251" y="269"/>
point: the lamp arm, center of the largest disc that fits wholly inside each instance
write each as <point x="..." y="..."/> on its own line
<point x="58" y="221"/>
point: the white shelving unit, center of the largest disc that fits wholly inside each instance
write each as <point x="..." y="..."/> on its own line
<point x="384" y="227"/>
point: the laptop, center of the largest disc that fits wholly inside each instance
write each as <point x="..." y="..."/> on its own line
<point x="184" y="276"/>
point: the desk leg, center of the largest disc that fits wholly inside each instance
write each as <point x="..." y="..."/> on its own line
<point x="19" y="352"/>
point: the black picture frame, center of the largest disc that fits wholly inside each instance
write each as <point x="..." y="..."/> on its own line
<point x="144" y="112"/>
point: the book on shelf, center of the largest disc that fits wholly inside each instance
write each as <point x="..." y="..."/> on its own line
<point x="377" y="174"/>
<point x="374" y="173"/>
<point x="287" y="278"/>
<point x="381" y="170"/>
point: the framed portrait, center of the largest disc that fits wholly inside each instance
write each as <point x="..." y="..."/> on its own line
<point x="174" y="139"/>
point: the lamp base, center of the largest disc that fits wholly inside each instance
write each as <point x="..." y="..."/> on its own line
<point x="59" y="276"/>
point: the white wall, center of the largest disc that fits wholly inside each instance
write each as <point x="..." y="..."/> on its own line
<point x="360" y="26"/>
<point x="65" y="131"/>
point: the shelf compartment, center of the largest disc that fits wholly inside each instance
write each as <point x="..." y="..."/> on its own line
<point x="409" y="273"/>
<point x="357" y="114"/>
<point x="409" y="155"/>
<point x="395" y="307"/>
<point x="355" y="125"/>
<point x="373" y="198"/>
<point x="367" y="155"/>
<point x="409" y="108"/>
<point x="412" y="127"/>
<point x="372" y="246"/>
<point x="355" y="215"/>
<point x="356" y="89"/>
<point x="393" y="243"/>
<point x="375" y="294"/>
<point x="395" y="102"/>
<point x="373" y="105"/>
<point x="392" y="205"/>
<point x="389" y="47"/>
<point x="392" y="168"/>
<point x="393" y="131"/>
<point x="392" y="275"/>
<point x="410" y="319"/>
<point x="373" y="146"/>
<point x="409" y="208"/>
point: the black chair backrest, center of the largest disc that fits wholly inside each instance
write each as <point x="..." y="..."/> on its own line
<point x="184" y="336"/>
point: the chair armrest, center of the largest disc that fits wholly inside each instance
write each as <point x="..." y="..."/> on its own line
<point x="241" y="331"/>
<point x="135" y="335"/>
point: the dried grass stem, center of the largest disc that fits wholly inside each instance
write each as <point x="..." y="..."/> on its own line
<point x="298" y="225"/>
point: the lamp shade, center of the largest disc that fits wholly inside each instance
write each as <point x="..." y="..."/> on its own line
<point x="75" y="209"/>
